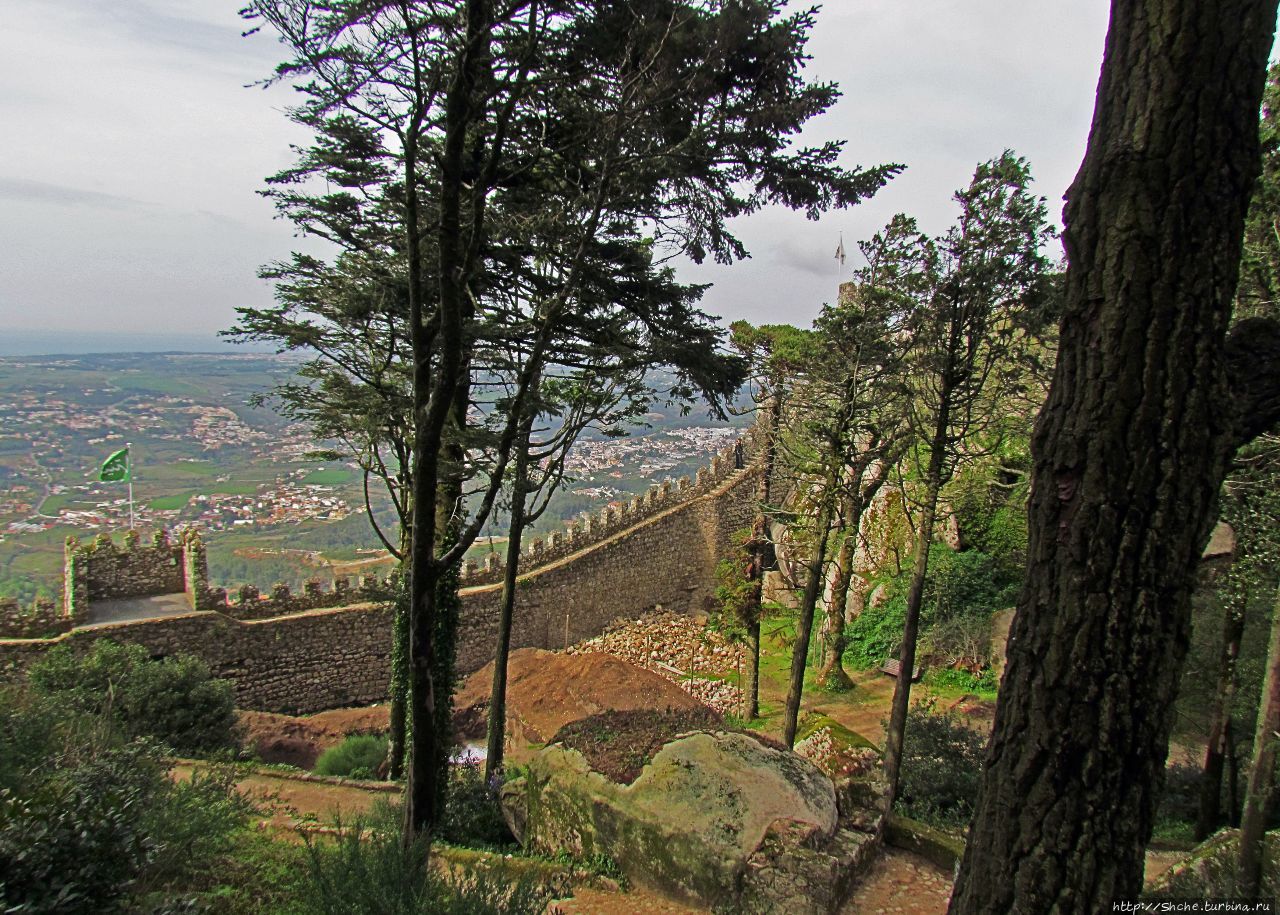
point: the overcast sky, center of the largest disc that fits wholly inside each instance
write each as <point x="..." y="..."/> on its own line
<point x="133" y="150"/>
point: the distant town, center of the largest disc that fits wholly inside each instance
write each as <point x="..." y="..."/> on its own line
<point x="209" y="454"/>
<point x="650" y="457"/>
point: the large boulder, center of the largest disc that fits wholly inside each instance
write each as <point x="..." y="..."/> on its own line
<point x="717" y="818"/>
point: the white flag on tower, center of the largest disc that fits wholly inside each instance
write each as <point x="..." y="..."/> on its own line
<point x="840" y="251"/>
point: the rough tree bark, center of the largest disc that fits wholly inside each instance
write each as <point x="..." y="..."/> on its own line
<point x="1129" y="452"/>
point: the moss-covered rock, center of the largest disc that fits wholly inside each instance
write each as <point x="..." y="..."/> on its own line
<point x="716" y="818"/>
<point x="942" y="848"/>
<point x="1209" y="869"/>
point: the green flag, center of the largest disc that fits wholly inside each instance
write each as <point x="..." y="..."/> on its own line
<point x="115" y="468"/>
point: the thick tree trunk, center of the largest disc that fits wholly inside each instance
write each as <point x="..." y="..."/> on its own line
<point x="498" y="696"/>
<point x="1210" y="814"/>
<point x="1129" y="452"/>
<point x="814" y="570"/>
<point x="1259" y="799"/>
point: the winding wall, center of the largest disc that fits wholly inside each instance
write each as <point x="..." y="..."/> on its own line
<point x="660" y="552"/>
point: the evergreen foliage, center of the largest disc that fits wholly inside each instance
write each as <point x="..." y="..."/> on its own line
<point x="942" y="765"/>
<point x="174" y="700"/>
<point x="90" y="820"/>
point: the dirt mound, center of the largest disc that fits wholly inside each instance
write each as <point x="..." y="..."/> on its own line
<point x="547" y="690"/>
<point x="678" y="647"/>
<point x="299" y="741"/>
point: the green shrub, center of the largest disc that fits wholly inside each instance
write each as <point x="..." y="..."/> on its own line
<point x="949" y="678"/>
<point x="359" y="756"/>
<point x="964" y="584"/>
<point x="34" y="730"/>
<point x="471" y="815"/>
<point x="174" y="700"/>
<point x="369" y="871"/>
<point x="876" y="634"/>
<point x="941" y="768"/>
<point x="78" y="843"/>
<point x="110" y="829"/>
<point x="961" y="591"/>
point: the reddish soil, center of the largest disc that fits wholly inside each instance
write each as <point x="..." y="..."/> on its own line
<point x="298" y="741"/>
<point x="547" y="690"/>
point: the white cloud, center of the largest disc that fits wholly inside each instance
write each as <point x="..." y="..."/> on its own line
<point x="110" y="106"/>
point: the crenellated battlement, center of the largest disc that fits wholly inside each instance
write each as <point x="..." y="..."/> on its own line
<point x="103" y="569"/>
<point x="41" y="619"/>
<point x="248" y="603"/>
<point x="325" y="648"/>
<point x="592" y="528"/>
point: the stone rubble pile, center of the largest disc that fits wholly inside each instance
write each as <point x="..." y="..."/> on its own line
<point x="720" y="695"/>
<point x="821" y="749"/>
<point x="679" y="648"/>
<point x="818" y="747"/>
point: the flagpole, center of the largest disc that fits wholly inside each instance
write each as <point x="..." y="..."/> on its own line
<point x="128" y="472"/>
<point x="839" y="263"/>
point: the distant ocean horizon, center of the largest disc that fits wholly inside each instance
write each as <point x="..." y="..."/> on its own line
<point x="79" y="343"/>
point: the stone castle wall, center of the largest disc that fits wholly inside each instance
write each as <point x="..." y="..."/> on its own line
<point x="111" y="572"/>
<point x="42" y="618"/>
<point x="295" y="664"/>
<point x="590" y="528"/>
<point x="282" y="654"/>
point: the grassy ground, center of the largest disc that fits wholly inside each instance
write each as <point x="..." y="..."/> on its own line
<point x="169" y="503"/>
<point x="331" y="476"/>
<point x="861" y="709"/>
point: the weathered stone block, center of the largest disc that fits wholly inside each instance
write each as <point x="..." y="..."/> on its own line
<point x="700" y="812"/>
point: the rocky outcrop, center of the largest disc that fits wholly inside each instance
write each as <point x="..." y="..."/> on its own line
<point x="718" y="819"/>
